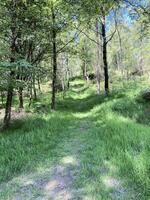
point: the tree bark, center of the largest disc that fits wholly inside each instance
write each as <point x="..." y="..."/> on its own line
<point x="67" y="72"/>
<point x="54" y="59"/>
<point x="31" y="95"/>
<point x="20" y="93"/>
<point x="98" y="58"/>
<point x="2" y="98"/>
<point x="105" y="56"/>
<point x="9" y="97"/>
<point x="34" y="88"/>
<point x="39" y="85"/>
<point x="84" y="70"/>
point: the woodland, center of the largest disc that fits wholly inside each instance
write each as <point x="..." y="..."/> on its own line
<point x="75" y="99"/>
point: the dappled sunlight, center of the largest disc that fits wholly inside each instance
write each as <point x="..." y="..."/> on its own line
<point x="24" y="181"/>
<point x="111" y="167"/>
<point x="69" y="160"/>
<point x="58" y="189"/>
<point x="85" y="150"/>
<point x="53" y="183"/>
<point x="110" y="182"/>
<point x="107" y="172"/>
<point x="81" y="115"/>
<point x="112" y="116"/>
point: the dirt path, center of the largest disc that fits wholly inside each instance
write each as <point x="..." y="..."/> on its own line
<point x="55" y="182"/>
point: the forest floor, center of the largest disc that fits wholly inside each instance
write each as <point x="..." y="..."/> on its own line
<point x="92" y="148"/>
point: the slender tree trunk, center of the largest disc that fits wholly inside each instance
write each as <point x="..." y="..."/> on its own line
<point x="34" y="92"/>
<point x="105" y="56"/>
<point x="8" y="106"/>
<point x="38" y="81"/>
<point x="63" y="88"/>
<point x="31" y="95"/>
<point x="53" y="102"/>
<point x="120" y="67"/>
<point x="84" y="70"/>
<point x="2" y="98"/>
<point x="84" y="65"/>
<point x="141" y="60"/>
<point x="20" y="93"/>
<point x="67" y="72"/>
<point x="34" y="89"/>
<point x="83" y="73"/>
<point x="98" y="58"/>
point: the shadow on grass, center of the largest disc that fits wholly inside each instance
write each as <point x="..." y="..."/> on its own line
<point x="87" y="103"/>
<point x="124" y="144"/>
<point x="79" y="105"/>
<point x="133" y="109"/>
<point x="78" y="86"/>
<point x="81" y="90"/>
<point x="32" y="141"/>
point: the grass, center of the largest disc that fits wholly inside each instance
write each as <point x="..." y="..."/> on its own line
<point x="109" y="138"/>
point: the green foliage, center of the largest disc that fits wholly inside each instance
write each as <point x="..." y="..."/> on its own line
<point x="15" y="65"/>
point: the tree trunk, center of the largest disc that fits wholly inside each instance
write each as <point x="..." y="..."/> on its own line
<point x="105" y="56"/>
<point x="38" y="81"/>
<point x="2" y="98"/>
<point x="120" y="53"/>
<point x="8" y="106"/>
<point x="53" y="102"/>
<point x="34" y="90"/>
<point x="67" y="72"/>
<point x="98" y="58"/>
<point x="31" y="96"/>
<point x="20" y="93"/>
<point x="84" y="70"/>
<point x="13" y="49"/>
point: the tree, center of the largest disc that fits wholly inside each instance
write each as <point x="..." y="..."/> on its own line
<point x="100" y="10"/>
<point x="16" y="32"/>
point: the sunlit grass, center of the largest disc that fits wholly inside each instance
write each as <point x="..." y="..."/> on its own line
<point x="106" y="139"/>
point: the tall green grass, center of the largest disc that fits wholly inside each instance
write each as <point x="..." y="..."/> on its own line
<point x="113" y="141"/>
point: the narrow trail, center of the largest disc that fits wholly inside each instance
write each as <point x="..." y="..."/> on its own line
<point x="57" y="181"/>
